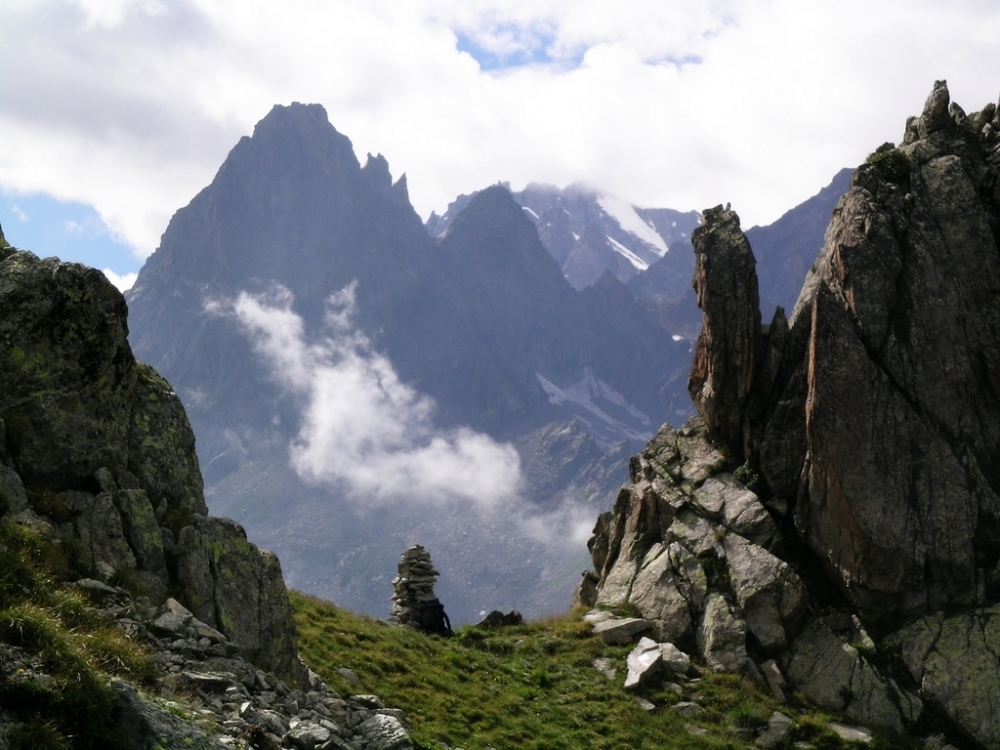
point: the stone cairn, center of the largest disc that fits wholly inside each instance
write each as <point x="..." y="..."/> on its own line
<point x="413" y="600"/>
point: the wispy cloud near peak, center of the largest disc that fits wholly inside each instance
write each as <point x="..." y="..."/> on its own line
<point x="362" y="429"/>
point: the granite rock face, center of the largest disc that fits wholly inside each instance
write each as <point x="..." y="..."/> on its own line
<point x="98" y="446"/>
<point x="865" y="427"/>
<point x="725" y="358"/>
<point x="874" y="411"/>
<point x="670" y="549"/>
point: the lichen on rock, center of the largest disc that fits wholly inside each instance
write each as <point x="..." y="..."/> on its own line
<point x="98" y="446"/>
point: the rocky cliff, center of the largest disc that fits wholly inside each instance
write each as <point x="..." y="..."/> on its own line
<point x="97" y="462"/>
<point x="98" y="445"/>
<point x="856" y="540"/>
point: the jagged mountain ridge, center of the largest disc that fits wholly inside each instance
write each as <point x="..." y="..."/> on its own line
<point x="481" y="320"/>
<point x="589" y="233"/>
<point x="649" y="249"/>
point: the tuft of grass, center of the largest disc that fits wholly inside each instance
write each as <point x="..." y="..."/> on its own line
<point x="72" y="704"/>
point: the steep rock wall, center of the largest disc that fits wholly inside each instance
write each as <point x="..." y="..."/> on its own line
<point x="867" y="424"/>
<point x="96" y="447"/>
<point x="875" y="412"/>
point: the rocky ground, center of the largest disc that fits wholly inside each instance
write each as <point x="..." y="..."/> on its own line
<point x="208" y="696"/>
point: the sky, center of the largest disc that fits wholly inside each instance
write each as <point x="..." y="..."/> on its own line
<point x="115" y="113"/>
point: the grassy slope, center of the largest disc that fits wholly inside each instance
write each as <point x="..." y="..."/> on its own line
<point x="533" y="686"/>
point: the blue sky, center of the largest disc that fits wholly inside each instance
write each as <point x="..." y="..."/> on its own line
<point x="125" y="109"/>
<point x="69" y="230"/>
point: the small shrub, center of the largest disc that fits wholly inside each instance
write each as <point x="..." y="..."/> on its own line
<point x="891" y="164"/>
<point x="745" y="475"/>
<point x="716" y="571"/>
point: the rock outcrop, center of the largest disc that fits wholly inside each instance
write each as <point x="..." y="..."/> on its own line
<point x="97" y="445"/>
<point x="97" y="455"/>
<point x="874" y="412"/>
<point x="866" y="559"/>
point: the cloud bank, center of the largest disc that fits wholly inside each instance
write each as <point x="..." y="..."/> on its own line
<point x="362" y="429"/>
<point x="131" y="105"/>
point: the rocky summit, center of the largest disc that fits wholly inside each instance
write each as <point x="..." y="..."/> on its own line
<point x="832" y="516"/>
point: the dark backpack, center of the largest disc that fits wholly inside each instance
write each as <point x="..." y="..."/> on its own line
<point x="435" y="619"/>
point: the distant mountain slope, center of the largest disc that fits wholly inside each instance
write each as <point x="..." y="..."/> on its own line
<point x="649" y="249"/>
<point x="589" y="233"/>
<point x="787" y="248"/>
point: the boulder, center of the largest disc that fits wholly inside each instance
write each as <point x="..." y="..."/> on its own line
<point x="722" y="637"/>
<point x="649" y="659"/>
<point x="669" y="586"/>
<point x="621" y="630"/>
<point x="771" y="594"/>
<point x="639" y="519"/>
<point x="238" y="589"/>
<point x="644" y="662"/>
<point x="66" y="370"/>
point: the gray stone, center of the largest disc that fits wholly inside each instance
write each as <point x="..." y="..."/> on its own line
<point x="368" y="701"/>
<point x="777" y="729"/>
<point x="12" y="493"/>
<point x="350" y="676"/>
<point x="851" y="733"/>
<point x="171" y="622"/>
<point x="722" y="636"/>
<point x="675" y="660"/>
<point x="308" y="736"/>
<point x="771" y="594"/>
<point x="383" y="732"/>
<point x="695" y="533"/>
<point x="644" y="663"/>
<point x="147" y="725"/>
<point x="775" y="680"/>
<point x="603" y="666"/>
<point x="725" y="282"/>
<point x="598" y="615"/>
<point x="621" y="630"/>
<point x="833" y="674"/>
<point x="668" y="585"/>
<point x="687" y="708"/>
<point x="644" y="704"/>
<point x="955" y="660"/>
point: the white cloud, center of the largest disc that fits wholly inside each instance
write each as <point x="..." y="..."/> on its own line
<point x="124" y="282"/>
<point x="132" y="105"/>
<point x="19" y="213"/>
<point x="362" y="429"/>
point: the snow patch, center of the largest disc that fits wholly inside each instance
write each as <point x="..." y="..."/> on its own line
<point x="631" y="257"/>
<point x="631" y="222"/>
<point x="595" y="401"/>
<point x="533" y="214"/>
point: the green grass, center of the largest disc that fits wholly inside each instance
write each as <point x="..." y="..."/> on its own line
<point x="70" y="704"/>
<point x="534" y="687"/>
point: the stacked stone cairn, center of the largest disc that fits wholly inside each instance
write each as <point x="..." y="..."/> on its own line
<point x="413" y="601"/>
